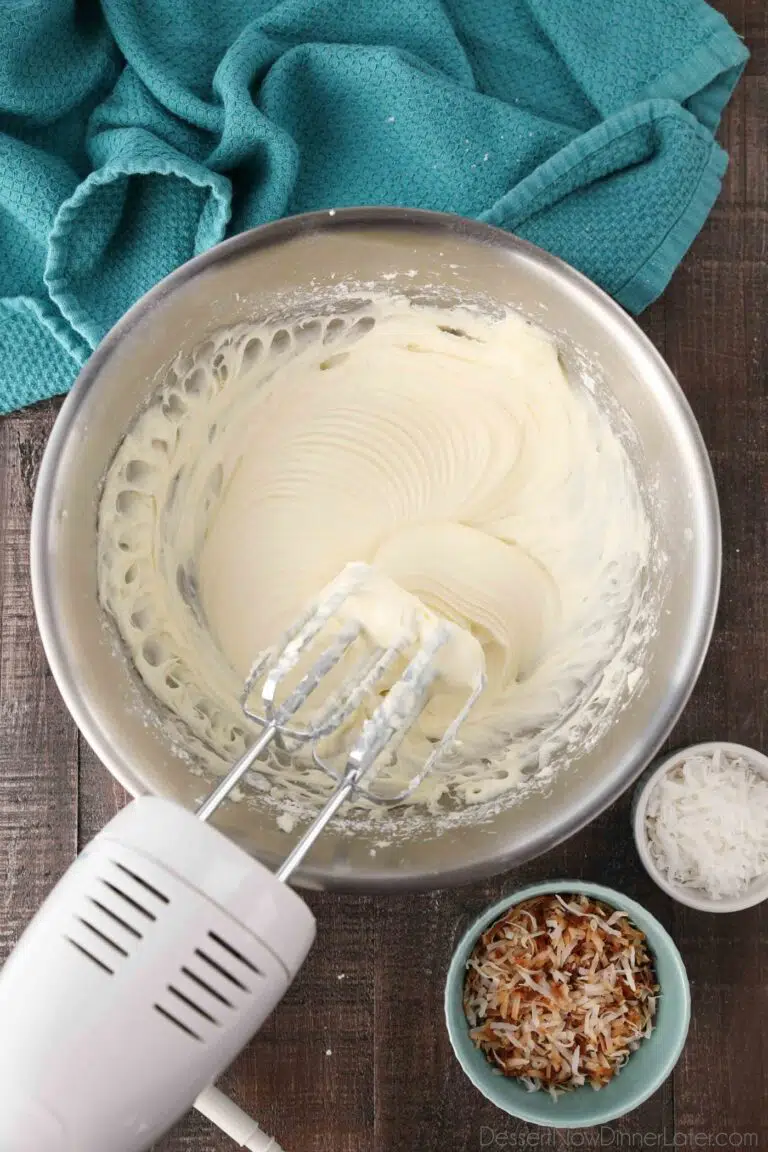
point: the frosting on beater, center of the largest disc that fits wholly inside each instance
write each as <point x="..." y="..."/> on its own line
<point x="448" y="450"/>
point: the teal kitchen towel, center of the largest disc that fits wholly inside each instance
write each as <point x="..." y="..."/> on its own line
<point x="136" y="134"/>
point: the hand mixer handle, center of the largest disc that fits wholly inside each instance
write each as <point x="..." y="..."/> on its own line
<point x="150" y="965"/>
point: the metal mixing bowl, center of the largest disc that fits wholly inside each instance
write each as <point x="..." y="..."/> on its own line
<point x="428" y="255"/>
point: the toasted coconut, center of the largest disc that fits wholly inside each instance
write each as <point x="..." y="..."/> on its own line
<point x="559" y="992"/>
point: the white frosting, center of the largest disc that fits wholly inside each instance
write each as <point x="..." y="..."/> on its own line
<point x="448" y="450"/>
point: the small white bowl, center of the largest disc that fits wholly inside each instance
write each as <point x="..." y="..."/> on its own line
<point x="693" y="897"/>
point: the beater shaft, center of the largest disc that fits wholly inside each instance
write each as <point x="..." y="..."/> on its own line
<point x="236" y="773"/>
<point x="329" y="810"/>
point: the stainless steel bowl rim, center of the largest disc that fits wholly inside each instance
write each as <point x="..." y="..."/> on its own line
<point x="614" y="783"/>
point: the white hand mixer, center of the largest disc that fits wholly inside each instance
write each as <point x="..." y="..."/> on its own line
<point x="165" y="946"/>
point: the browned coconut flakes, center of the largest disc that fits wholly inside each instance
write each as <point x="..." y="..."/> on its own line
<point x="559" y="993"/>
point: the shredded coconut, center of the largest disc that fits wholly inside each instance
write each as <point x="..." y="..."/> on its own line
<point x="707" y="824"/>
<point x="559" y="993"/>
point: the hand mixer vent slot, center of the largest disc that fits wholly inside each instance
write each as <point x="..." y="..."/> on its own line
<point x="215" y="966"/>
<point x="90" y="956"/>
<point x="191" y="1003"/>
<point x="234" y="953"/>
<point x="202" y="985"/>
<point x="129" y="900"/>
<point x="102" y="937"/>
<point x="143" y="883"/>
<point x="116" y="919"/>
<point x="169" y="1016"/>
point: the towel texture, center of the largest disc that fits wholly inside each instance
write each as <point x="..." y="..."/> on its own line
<point x="135" y="134"/>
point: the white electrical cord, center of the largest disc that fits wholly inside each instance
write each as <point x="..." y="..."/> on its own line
<point x="226" y="1115"/>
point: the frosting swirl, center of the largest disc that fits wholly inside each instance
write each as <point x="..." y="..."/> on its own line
<point x="448" y="450"/>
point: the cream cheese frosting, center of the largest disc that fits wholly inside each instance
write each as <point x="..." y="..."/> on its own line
<point x="448" y="450"/>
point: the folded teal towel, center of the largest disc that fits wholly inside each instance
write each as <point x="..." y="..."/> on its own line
<point x="135" y="135"/>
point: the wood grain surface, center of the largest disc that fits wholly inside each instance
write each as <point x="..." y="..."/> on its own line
<point x="356" y="1059"/>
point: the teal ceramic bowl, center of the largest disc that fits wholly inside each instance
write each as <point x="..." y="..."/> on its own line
<point x="644" y="1072"/>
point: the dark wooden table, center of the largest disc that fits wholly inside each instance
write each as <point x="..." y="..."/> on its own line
<point x="357" y="1058"/>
